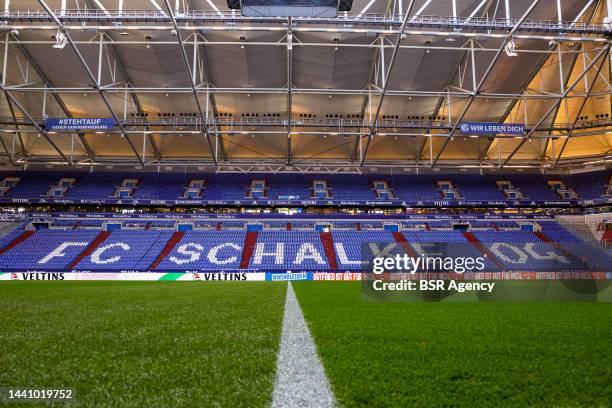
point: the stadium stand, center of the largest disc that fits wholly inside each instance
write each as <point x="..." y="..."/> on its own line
<point x="591" y="185"/>
<point x="94" y="186"/>
<point x="335" y="241"/>
<point x="84" y="244"/>
<point x="152" y="186"/>
<point x="206" y="250"/>
<point x="164" y="186"/>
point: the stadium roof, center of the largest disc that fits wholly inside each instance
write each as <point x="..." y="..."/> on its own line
<point x="359" y="93"/>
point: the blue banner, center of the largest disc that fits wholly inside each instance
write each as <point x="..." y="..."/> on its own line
<point x="491" y="128"/>
<point x="263" y="203"/>
<point x="244" y="216"/>
<point x="76" y="124"/>
<point x="288" y="276"/>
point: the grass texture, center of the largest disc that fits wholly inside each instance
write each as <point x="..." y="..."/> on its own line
<point x="459" y="354"/>
<point x="148" y="344"/>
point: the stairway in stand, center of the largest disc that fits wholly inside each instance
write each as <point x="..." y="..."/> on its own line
<point x="484" y="250"/>
<point x="17" y="241"/>
<point x="401" y="239"/>
<point x="328" y="246"/>
<point x="90" y="248"/>
<point x="172" y="242"/>
<point x="247" y="249"/>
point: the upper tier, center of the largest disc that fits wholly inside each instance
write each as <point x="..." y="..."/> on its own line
<point x="300" y="189"/>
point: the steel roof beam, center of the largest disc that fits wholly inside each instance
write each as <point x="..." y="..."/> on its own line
<point x="513" y="103"/>
<point x="31" y="119"/>
<point x="314" y="91"/>
<point x="193" y="17"/>
<point x="605" y="51"/>
<point x="191" y="79"/>
<point x="456" y="72"/>
<point x="206" y="72"/>
<point x="472" y="164"/>
<point x="375" y="57"/>
<point x="95" y="83"/>
<point x="574" y="60"/>
<point x="133" y="95"/>
<point x="10" y="99"/>
<point x="319" y="30"/>
<point x="293" y="90"/>
<point x="426" y="125"/>
<point x="482" y="81"/>
<point x="386" y="84"/>
<point x="17" y="128"/>
<point x="283" y="131"/>
<point x="289" y="87"/>
<point x="58" y="99"/>
<point x="584" y="101"/>
<point x="368" y="45"/>
<point x="211" y="95"/>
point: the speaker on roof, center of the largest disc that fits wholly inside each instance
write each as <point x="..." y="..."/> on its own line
<point x="345" y="5"/>
<point x="290" y="8"/>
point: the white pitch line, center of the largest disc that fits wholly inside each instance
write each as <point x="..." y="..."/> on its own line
<point x="300" y="376"/>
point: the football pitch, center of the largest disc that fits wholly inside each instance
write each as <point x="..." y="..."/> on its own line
<point x="216" y="344"/>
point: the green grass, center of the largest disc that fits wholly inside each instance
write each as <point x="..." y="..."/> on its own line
<point x="143" y="344"/>
<point x="215" y="344"/>
<point x="460" y="354"/>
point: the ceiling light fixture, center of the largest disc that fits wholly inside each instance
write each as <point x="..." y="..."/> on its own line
<point x="60" y="41"/>
<point x="510" y="48"/>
